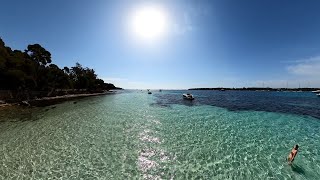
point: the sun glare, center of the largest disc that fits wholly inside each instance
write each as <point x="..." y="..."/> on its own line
<point x="149" y="23"/>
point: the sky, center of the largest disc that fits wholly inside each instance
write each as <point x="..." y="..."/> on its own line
<point x="225" y="43"/>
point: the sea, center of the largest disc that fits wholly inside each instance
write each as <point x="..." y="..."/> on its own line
<point x="135" y="135"/>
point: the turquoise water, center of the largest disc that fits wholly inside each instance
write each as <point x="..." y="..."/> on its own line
<point x="129" y="136"/>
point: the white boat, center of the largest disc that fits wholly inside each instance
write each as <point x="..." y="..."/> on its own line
<point x="188" y="96"/>
<point x="318" y="94"/>
<point x="316" y="91"/>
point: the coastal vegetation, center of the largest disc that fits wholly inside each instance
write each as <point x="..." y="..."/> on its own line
<point x="22" y="73"/>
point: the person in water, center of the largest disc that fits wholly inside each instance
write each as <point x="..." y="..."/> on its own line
<point x="293" y="154"/>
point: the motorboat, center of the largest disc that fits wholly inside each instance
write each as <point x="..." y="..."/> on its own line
<point x="188" y="96"/>
<point x="318" y="94"/>
<point x="316" y="91"/>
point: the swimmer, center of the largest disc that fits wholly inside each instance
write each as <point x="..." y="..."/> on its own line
<point x="293" y="154"/>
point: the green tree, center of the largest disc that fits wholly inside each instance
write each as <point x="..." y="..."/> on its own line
<point x="38" y="54"/>
<point x="41" y="58"/>
<point x="33" y="70"/>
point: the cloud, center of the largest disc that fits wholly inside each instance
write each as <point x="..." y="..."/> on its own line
<point x="118" y="82"/>
<point x="154" y="85"/>
<point x="306" y="67"/>
<point x="113" y="79"/>
<point x="129" y="83"/>
<point x="300" y="73"/>
<point x="281" y="83"/>
<point x="187" y="20"/>
<point x="184" y="25"/>
<point x="182" y="29"/>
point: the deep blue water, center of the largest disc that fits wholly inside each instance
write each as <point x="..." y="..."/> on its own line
<point x="299" y="103"/>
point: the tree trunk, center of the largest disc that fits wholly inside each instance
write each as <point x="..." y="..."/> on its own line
<point x="51" y="91"/>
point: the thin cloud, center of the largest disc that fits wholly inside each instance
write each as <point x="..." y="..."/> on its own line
<point x="283" y="83"/>
<point x="187" y="20"/>
<point x="306" y="67"/>
<point x="182" y="29"/>
<point x="184" y="25"/>
<point x="119" y="82"/>
<point x="111" y="79"/>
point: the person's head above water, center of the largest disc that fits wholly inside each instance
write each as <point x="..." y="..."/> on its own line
<point x="296" y="147"/>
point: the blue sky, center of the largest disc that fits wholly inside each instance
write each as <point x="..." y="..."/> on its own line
<point x="227" y="43"/>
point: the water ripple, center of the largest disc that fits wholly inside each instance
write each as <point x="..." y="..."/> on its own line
<point x="121" y="137"/>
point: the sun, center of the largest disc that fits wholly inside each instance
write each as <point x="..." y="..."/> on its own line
<point x="149" y="23"/>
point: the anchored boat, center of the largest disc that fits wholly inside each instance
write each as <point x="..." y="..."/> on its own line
<point x="188" y="96"/>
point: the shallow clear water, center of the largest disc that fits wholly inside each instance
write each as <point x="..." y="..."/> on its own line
<point x="134" y="135"/>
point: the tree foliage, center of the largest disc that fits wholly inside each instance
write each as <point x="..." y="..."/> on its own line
<point x="33" y="69"/>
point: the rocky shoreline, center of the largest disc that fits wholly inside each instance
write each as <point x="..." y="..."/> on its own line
<point x="45" y="101"/>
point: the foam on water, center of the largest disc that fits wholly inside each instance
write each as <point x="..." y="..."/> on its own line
<point x="127" y="136"/>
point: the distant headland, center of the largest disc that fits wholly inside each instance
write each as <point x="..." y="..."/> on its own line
<point x="30" y="75"/>
<point x="258" y="89"/>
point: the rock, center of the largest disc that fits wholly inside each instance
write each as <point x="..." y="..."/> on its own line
<point x="2" y="102"/>
<point x="24" y="103"/>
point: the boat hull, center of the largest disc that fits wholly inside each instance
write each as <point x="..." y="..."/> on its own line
<point x="188" y="97"/>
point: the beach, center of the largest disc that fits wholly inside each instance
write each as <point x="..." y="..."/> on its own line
<point x="45" y="101"/>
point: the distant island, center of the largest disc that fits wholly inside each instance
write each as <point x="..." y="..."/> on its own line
<point x="30" y="75"/>
<point x="257" y="89"/>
